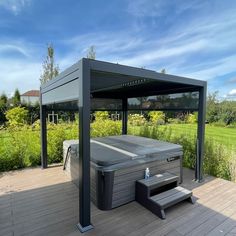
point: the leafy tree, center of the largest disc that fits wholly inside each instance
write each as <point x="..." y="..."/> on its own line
<point x="3" y="98"/>
<point x="91" y="54"/>
<point x="213" y="108"/>
<point x="50" y="70"/>
<point x="163" y="71"/>
<point x="228" y="112"/>
<point x="221" y="112"/>
<point x="17" y="116"/>
<point x="33" y="112"/>
<point x="16" y="98"/>
<point x="3" y="108"/>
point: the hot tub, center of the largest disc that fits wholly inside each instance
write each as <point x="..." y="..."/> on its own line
<point x="118" y="161"/>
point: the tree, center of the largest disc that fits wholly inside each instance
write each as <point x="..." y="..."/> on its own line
<point x="91" y="53"/>
<point x="3" y="98"/>
<point x="50" y="70"/>
<point x="3" y="108"/>
<point x="227" y="112"/>
<point x="16" y="98"/>
<point x="213" y="108"/>
<point x="17" y="116"/>
<point x="163" y="71"/>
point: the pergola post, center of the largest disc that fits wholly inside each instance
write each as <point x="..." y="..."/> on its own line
<point x="43" y="130"/>
<point x="200" y="134"/>
<point x="84" y="147"/>
<point x="124" y="115"/>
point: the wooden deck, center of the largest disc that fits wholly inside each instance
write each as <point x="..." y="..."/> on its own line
<point x="45" y="202"/>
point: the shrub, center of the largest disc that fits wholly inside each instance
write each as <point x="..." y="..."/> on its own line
<point x="20" y="147"/>
<point x="157" y="117"/>
<point x="232" y="166"/>
<point x="56" y="136"/>
<point x="191" y="118"/>
<point x="219" y="123"/>
<point x="136" y="119"/>
<point x="17" y="116"/>
<point x="232" y="125"/>
<point x="175" y="121"/>
<point x="105" y="128"/>
<point x="218" y="161"/>
<point x="101" y="115"/>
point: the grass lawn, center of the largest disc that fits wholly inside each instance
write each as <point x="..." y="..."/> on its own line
<point x="221" y="135"/>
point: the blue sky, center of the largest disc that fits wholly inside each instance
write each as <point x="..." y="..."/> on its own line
<point x="189" y="38"/>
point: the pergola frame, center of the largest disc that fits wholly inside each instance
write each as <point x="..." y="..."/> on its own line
<point x="91" y="78"/>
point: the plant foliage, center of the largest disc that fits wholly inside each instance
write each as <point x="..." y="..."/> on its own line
<point x="17" y="116"/>
<point x="50" y="70"/>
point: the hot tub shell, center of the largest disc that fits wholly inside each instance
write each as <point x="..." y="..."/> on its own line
<point x="118" y="161"/>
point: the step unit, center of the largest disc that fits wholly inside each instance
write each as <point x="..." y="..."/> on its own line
<point x="160" y="192"/>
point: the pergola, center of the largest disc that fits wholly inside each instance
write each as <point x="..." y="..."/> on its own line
<point x="98" y="85"/>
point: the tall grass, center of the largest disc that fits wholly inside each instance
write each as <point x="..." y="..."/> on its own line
<point x="21" y="147"/>
<point x="219" y="161"/>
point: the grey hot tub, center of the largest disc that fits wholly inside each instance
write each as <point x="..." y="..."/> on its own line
<point x="118" y="161"/>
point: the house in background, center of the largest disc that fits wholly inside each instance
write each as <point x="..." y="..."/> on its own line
<point x="30" y="97"/>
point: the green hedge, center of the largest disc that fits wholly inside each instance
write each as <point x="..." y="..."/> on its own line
<point x="218" y="160"/>
<point x="21" y="147"/>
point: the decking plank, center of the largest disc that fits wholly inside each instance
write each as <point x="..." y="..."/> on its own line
<point x="45" y="202"/>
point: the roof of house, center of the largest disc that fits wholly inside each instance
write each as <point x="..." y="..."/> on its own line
<point x="31" y="93"/>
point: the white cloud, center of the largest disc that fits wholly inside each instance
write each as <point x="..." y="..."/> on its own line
<point x="21" y="74"/>
<point x="14" y="6"/>
<point x="157" y="8"/>
<point x="232" y="80"/>
<point x="232" y="93"/>
<point x="210" y="70"/>
<point x="177" y="49"/>
<point x="155" y="54"/>
<point x="125" y="48"/>
<point x="7" y="47"/>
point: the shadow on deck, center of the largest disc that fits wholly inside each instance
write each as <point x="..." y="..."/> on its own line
<point x="45" y="202"/>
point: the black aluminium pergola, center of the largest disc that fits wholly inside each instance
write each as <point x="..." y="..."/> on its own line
<point x="88" y="80"/>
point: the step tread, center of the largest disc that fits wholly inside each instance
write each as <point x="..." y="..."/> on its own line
<point x="159" y="179"/>
<point x="171" y="197"/>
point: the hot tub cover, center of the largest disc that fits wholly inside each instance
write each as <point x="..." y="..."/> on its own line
<point x="108" y="151"/>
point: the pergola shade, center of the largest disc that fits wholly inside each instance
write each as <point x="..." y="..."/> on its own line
<point x="115" y="82"/>
<point x="93" y="85"/>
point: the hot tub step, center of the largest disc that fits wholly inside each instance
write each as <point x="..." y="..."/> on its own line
<point x="168" y="199"/>
<point x="160" y="180"/>
<point x="160" y="192"/>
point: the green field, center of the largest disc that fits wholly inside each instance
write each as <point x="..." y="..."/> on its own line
<point x="221" y="135"/>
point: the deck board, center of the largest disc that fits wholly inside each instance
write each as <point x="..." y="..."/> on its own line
<point x="45" y="202"/>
